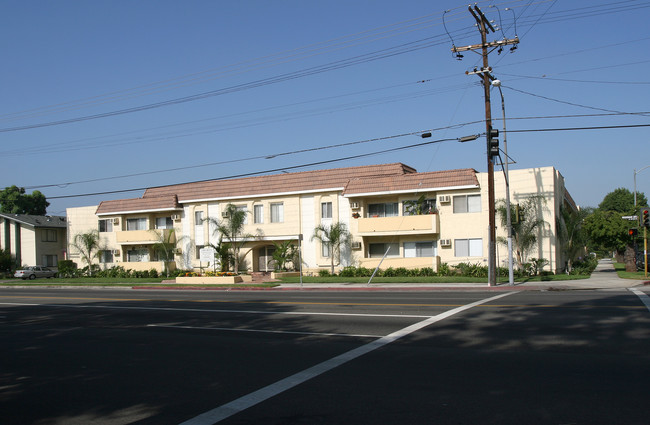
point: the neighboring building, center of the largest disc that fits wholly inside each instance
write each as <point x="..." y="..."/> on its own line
<point x="373" y="201"/>
<point x="34" y="240"/>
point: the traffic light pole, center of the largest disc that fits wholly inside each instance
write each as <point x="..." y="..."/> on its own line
<point x="484" y="26"/>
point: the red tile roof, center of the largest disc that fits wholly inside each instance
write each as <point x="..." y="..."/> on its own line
<point x="153" y="203"/>
<point x="419" y="181"/>
<point x="277" y="183"/>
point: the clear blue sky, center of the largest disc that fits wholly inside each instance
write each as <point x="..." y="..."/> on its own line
<point x="118" y="91"/>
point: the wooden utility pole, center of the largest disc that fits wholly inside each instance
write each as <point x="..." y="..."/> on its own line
<point x="484" y="27"/>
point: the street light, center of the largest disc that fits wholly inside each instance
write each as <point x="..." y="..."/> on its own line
<point x="635" y="173"/>
<point x="511" y="274"/>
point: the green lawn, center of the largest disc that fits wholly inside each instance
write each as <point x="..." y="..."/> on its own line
<point x="123" y="282"/>
<point x="620" y="270"/>
<point x="422" y="279"/>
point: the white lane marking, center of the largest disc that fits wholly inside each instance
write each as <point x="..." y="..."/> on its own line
<point x="153" y="325"/>
<point x="200" y="310"/>
<point x="645" y="299"/>
<point x="225" y="411"/>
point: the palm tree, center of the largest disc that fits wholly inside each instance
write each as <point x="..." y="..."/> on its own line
<point x="232" y="230"/>
<point x="165" y="246"/>
<point x="526" y="229"/>
<point x="88" y="246"/>
<point x="571" y="233"/>
<point x="334" y="237"/>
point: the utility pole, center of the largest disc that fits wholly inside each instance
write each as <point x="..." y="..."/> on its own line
<point x="484" y="26"/>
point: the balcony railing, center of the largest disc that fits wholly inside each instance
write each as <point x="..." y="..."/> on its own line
<point x="401" y="225"/>
<point x="144" y="237"/>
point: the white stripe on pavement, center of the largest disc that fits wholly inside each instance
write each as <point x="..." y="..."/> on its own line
<point x="645" y="299"/>
<point x="225" y="411"/>
<point x="153" y="325"/>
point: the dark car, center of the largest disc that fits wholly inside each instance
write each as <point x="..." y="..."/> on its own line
<point x="34" y="272"/>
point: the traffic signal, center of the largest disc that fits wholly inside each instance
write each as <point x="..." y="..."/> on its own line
<point x="645" y="221"/>
<point x="493" y="143"/>
<point x="632" y="232"/>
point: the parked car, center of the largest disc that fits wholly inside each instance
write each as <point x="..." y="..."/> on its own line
<point x="33" y="272"/>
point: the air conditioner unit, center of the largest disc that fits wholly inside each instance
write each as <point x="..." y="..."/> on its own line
<point x="116" y="252"/>
<point x="116" y="221"/>
<point x="445" y="242"/>
<point x="354" y="205"/>
<point x="224" y="214"/>
<point x="355" y="245"/>
<point x="444" y="199"/>
<point x="178" y="251"/>
<point x="176" y="217"/>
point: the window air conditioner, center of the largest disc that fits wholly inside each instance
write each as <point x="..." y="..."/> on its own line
<point x="176" y="217"/>
<point x="224" y="214"/>
<point x="116" y="252"/>
<point x="178" y="251"/>
<point x="444" y="199"/>
<point x="354" y="205"/>
<point x="356" y="245"/>
<point x="445" y="242"/>
<point x="116" y="221"/>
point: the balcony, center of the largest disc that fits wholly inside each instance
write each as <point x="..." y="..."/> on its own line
<point x="401" y="225"/>
<point x="144" y="237"/>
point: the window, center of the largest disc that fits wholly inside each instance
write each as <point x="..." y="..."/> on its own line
<point x="277" y="212"/>
<point x="326" y="210"/>
<point x="198" y="218"/>
<point x="50" y="261"/>
<point x="467" y="203"/>
<point x="258" y="213"/>
<point x="136" y="224"/>
<point x="377" y="250"/>
<point x="198" y="251"/>
<point x="106" y="256"/>
<point x="419" y="249"/>
<point x="413" y="207"/>
<point x="383" y="210"/>
<point x="243" y="208"/>
<point x="137" y="256"/>
<point x="468" y="247"/>
<point x="325" y="250"/>
<point x="106" y="225"/>
<point x="48" y="235"/>
<point x="164" y="223"/>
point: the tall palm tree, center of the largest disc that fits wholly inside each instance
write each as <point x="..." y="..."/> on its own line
<point x="524" y="231"/>
<point x="88" y="246"/>
<point x="571" y="233"/>
<point x="231" y="229"/>
<point x="334" y="236"/>
<point x="165" y="246"/>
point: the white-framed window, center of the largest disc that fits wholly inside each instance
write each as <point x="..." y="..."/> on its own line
<point x="198" y="251"/>
<point x="164" y="223"/>
<point x="106" y="256"/>
<point x="390" y="209"/>
<point x="243" y="208"/>
<point x="377" y="250"/>
<point x="106" y="225"/>
<point x="136" y="224"/>
<point x="326" y="210"/>
<point x="467" y="203"/>
<point x="258" y="213"/>
<point x="48" y="235"/>
<point x="198" y="218"/>
<point x="325" y="250"/>
<point x="137" y="255"/>
<point x="277" y="212"/>
<point x="468" y="247"/>
<point x="420" y="249"/>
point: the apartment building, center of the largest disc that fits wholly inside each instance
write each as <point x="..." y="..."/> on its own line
<point x="395" y="215"/>
<point x="34" y="240"/>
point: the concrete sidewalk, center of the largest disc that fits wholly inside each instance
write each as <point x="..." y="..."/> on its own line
<point x="603" y="277"/>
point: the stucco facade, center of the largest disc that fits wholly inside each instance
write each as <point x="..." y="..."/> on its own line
<point x="375" y="202"/>
<point x="34" y="240"/>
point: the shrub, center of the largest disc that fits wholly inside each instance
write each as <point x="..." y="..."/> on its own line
<point x="426" y="271"/>
<point x="349" y="271"/>
<point x="153" y="273"/>
<point x="389" y="272"/>
<point x="324" y="273"/>
<point x="66" y="268"/>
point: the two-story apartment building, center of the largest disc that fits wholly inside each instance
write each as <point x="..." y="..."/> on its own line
<point x="34" y="240"/>
<point x="413" y="219"/>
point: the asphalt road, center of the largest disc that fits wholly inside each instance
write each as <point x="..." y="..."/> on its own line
<point x="292" y="357"/>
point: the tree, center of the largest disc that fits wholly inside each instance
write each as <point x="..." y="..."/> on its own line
<point x="13" y="200"/>
<point x="571" y="234"/>
<point x="7" y="260"/>
<point x="285" y="253"/>
<point x="334" y="237"/>
<point x="165" y="247"/>
<point x="232" y="229"/>
<point x="622" y="200"/>
<point x="525" y="231"/>
<point x="88" y="246"/>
